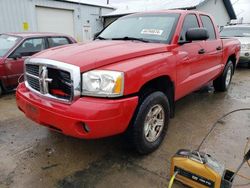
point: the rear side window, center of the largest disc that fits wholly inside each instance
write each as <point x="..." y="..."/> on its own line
<point x="189" y="22"/>
<point x="208" y="24"/>
<point x="57" y="41"/>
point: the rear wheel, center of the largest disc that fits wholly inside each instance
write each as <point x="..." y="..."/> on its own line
<point x="223" y="82"/>
<point x="150" y="124"/>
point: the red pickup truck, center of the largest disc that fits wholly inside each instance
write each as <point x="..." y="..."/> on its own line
<point x="128" y="79"/>
<point x="16" y="47"/>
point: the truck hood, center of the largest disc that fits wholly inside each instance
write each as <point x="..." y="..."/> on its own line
<point x="100" y="53"/>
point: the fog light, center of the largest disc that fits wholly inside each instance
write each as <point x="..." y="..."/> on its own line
<point x="247" y="54"/>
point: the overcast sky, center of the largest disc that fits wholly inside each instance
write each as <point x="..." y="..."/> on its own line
<point x="242" y="7"/>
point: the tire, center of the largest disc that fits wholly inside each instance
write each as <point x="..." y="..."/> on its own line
<point x="147" y="130"/>
<point x="222" y="83"/>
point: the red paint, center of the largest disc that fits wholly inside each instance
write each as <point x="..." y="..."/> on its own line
<point x="141" y="63"/>
<point x="11" y="69"/>
<point x="103" y="117"/>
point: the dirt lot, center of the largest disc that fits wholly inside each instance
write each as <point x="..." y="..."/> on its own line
<point x="32" y="156"/>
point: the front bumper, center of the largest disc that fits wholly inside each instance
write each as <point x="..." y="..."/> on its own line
<point x="103" y="117"/>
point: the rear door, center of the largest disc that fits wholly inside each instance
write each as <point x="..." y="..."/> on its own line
<point x="191" y="62"/>
<point x="15" y="62"/>
<point x="213" y="49"/>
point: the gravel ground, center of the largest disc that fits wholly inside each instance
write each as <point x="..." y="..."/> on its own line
<point x="32" y="156"/>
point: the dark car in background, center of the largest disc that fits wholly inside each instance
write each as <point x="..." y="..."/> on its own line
<point x="242" y="33"/>
<point x="16" y="47"/>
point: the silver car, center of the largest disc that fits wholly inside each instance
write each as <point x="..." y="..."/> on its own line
<point x="242" y="33"/>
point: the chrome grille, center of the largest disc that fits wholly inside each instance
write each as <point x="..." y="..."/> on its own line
<point x="53" y="79"/>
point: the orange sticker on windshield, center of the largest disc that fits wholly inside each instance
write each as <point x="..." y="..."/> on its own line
<point x="152" y="32"/>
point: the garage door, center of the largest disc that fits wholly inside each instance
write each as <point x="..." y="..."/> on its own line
<point x="55" y="20"/>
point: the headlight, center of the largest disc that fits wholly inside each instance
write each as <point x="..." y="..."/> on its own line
<point x="103" y="83"/>
<point x="245" y="46"/>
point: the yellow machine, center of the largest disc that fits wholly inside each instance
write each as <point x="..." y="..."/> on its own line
<point x="200" y="170"/>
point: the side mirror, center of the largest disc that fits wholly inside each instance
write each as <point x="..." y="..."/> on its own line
<point x="195" y="34"/>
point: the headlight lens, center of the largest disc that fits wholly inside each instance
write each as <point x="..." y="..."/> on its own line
<point x="103" y="83"/>
<point x="245" y="46"/>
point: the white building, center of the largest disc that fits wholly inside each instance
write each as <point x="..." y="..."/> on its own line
<point x="222" y="10"/>
<point x="74" y="17"/>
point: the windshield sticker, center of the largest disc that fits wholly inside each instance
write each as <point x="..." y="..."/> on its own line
<point x="152" y="32"/>
<point x="12" y="39"/>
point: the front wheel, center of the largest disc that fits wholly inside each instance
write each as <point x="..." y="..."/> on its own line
<point x="150" y="124"/>
<point x="223" y="82"/>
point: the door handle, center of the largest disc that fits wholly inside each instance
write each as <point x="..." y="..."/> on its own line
<point x="219" y="48"/>
<point x="202" y="51"/>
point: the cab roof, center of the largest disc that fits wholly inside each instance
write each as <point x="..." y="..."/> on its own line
<point x="177" y="11"/>
<point x="33" y="34"/>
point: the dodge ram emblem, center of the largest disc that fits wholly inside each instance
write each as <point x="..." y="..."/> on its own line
<point x="43" y="79"/>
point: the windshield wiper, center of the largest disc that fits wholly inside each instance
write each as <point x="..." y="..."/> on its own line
<point x="101" y="38"/>
<point x="130" y="38"/>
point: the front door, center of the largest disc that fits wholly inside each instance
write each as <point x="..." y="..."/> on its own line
<point x="15" y="62"/>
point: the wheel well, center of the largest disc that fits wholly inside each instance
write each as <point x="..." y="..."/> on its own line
<point x="233" y="59"/>
<point x="163" y="84"/>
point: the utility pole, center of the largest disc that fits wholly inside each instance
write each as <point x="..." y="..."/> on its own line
<point x="107" y="2"/>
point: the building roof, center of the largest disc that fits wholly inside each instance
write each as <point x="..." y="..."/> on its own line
<point x="87" y="2"/>
<point x="151" y="5"/>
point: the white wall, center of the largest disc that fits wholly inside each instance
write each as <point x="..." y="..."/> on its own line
<point x="13" y="13"/>
<point x="217" y="9"/>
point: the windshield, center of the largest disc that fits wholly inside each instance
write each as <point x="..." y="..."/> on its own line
<point x="147" y="28"/>
<point x="235" y="32"/>
<point x="6" y="43"/>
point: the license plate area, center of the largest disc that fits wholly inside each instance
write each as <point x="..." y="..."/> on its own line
<point x="32" y="112"/>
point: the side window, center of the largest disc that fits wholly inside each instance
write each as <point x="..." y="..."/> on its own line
<point x="208" y="24"/>
<point x="30" y="47"/>
<point x="57" y="41"/>
<point x="189" y="22"/>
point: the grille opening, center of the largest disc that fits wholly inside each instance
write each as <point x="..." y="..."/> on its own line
<point x="61" y="85"/>
<point x="34" y="83"/>
<point x="32" y="69"/>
